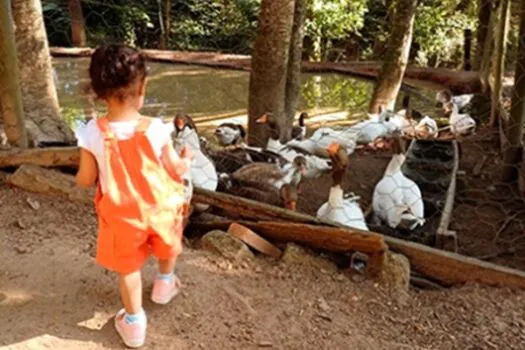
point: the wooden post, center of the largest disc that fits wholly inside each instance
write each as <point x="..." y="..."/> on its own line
<point x="498" y="62"/>
<point x="488" y="47"/>
<point x="10" y="95"/>
<point x="293" y="79"/>
<point x="78" y="25"/>
<point x="466" y="50"/>
<point x="513" y="154"/>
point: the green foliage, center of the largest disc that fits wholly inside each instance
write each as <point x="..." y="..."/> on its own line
<point x="329" y="20"/>
<point x="230" y="26"/>
<point x="439" y="31"/>
<point x="215" y="25"/>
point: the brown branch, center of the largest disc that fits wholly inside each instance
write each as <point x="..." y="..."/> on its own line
<point x="504" y="225"/>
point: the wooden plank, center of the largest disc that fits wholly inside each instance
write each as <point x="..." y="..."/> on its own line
<point x="253" y="240"/>
<point x="443" y="234"/>
<point x="334" y="239"/>
<point x="445" y="267"/>
<point x="45" y="157"/>
<point x="455" y="269"/>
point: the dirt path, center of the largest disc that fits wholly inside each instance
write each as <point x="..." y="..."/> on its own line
<point x="52" y="295"/>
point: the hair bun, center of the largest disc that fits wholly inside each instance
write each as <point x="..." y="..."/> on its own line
<point x="114" y="68"/>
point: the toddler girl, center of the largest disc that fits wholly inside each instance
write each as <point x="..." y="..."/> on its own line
<point x="140" y="197"/>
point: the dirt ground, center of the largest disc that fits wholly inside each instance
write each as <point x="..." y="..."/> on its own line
<point x="52" y="295"/>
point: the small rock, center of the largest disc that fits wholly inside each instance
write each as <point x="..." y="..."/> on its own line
<point x="297" y="255"/>
<point x="395" y="276"/>
<point x="325" y="317"/>
<point x="21" y="224"/>
<point x="340" y="277"/>
<point x="21" y="250"/>
<point x="323" y="305"/>
<point x="491" y="188"/>
<point x="226" y="245"/>
<point x="3" y="177"/>
<point x="265" y="344"/>
<point x="33" y="203"/>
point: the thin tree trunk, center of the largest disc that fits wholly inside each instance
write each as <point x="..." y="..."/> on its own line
<point x="488" y="48"/>
<point x="467" y="65"/>
<point x="162" y="37"/>
<point x="78" y="26"/>
<point x="513" y="155"/>
<point x="41" y="109"/>
<point x="485" y="7"/>
<point x="396" y="57"/>
<point x="293" y="80"/>
<point x="499" y="59"/>
<point x="11" y="108"/>
<point x="269" y="66"/>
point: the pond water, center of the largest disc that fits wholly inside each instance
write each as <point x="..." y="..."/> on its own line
<point x="213" y="95"/>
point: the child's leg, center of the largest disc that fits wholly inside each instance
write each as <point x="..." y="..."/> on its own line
<point x="167" y="266"/>
<point x="131" y="292"/>
<point x="166" y="285"/>
<point x="131" y="321"/>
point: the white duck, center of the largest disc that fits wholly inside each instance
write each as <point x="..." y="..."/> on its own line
<point x="324" y="137"/>
<point x="202" y="173"/>
<point x="377" y="126"/>
<point x="427" y="128"/>
<point x="445" y="96"/>
<point x="340" y="208"/>
<point x="315" y="166"/>
<point x="460" y="124"/>
<point x="229" y="134"/>
<point x="396" y="198"/>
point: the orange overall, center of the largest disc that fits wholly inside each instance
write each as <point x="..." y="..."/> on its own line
<point x="142" y="208"/>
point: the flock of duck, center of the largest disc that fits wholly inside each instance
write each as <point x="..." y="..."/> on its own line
<point x="274" y="173"/>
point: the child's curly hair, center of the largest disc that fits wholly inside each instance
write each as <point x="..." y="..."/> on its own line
<point x="117" y="71"/>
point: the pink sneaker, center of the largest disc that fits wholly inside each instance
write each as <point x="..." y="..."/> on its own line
<point x="164" y="291"/>
<point x="134" y="334"/>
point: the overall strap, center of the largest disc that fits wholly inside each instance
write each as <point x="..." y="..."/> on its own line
<point x="103" y="125"/>
<point x="143" y="125"/>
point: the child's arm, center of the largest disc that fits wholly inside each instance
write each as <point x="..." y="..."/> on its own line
<point x="176" y="165"/>
<point x="87" y="171"/>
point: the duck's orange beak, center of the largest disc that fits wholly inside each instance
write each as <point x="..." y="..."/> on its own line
<point x="263" y="119"/>
<point x="333" y="148"/>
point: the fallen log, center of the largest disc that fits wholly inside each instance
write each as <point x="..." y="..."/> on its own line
<point x="446" y="267"/>
<point x="45" y="157"/>
<point x="36" y="179"/>
<point x="458" y="82"/>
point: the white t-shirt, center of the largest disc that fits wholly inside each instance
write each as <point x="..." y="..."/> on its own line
<point x="90" y="138"/>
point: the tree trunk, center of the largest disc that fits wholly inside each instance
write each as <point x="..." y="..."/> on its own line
<point x="41" y="109"/>
<point x="488" y="48"/>
<point x="11" y="108"/>
<point x="498" y="64"/>
<point x="162" y="36"/>
<point x="396" y="57"/>
<point x="485" y="7"/>
<point x="513" y="155"/>
<point x="293" y="80"/>
<point x="269" y="66"/>
<point x="467" y="65"/>
<point x="78" y="26"/>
